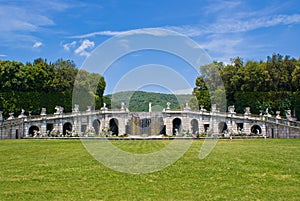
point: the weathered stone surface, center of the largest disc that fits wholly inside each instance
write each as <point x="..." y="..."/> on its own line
<point x="170" y="122"/>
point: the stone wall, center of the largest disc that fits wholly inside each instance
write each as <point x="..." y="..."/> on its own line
<point x="167" y="122"/>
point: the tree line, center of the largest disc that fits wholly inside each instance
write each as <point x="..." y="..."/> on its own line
<point x="32" y="86"/>
<point x="272" y="84"/>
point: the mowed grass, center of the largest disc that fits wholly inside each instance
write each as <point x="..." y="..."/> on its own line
<point x="238" y="170"/>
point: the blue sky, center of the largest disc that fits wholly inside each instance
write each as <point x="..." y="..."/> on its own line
<point x="54" y="29"/>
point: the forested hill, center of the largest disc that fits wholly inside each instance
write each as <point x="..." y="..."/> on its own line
<point x="32" y="86"/>
<point x="138" y="101"/>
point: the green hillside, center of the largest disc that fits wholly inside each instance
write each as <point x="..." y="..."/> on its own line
<point x="138" y="101"/>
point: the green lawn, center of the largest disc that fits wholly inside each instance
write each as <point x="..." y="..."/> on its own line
<point x="238" y="170"/>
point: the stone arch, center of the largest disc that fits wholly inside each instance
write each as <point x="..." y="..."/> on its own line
<point x="67" y="127"/>
<point x="176" y="126"/>
<point x="195" y="126"/>
<point x="256" y="129"/>
<point x="239" y="126"/>
<point x="114" y="126"/>
<point x="33" y="129"/>
<point x="96" y="126"/>
<point x="49" y="127"/>
<point x="163" y="130"/>
<point x="222" y="127"/>
<point x="206" y="127"/>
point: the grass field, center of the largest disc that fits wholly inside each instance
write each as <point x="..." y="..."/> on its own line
<point x="238" y="170"/>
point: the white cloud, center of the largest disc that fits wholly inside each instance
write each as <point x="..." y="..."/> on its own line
<point x="159" y="31"/>
<point x="183" y="91"/>
<point x="225" y="38"/>
<point x="222" y="25"/>
<point x="37" y="44"/>
<point x="233" y="25"/>
<point x="54" y="5"/>
<point x="187" y="30"/>
<point x="220" y="5"/>
<point x="14" y="18"/>
<point x="19" y="20"/>
<point x="99" y="33"/>
<point x="219" y="43"/>
<point x="82" y="49"/>
<point x="244" y="25"/>
<point x="67" y="46"/>
<point x="3" y="55"/>
<point x="225" y="35"/>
